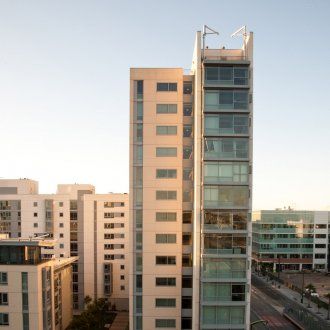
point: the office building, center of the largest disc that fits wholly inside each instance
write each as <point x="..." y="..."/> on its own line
<point x="190" y="191"/>
<point x="35" y="293"/>
<point x="91" y="226"/>
<point x="290" y="240"/>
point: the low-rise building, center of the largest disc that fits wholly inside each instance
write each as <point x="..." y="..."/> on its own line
<point x="35" y="293"/>
<point x="290" y="240"/>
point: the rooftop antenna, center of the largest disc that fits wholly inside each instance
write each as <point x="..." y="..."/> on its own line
<point x="207" y="30"/>
<point x="241" y="32"/>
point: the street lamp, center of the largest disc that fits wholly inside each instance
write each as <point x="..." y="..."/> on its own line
<point x="302" y="286"/>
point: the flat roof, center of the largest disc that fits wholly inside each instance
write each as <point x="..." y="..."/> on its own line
<point x="27" y="242"/>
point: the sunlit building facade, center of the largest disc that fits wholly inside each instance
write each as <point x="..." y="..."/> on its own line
<point x="190" y="188"/>
<point x="290" y="240"/>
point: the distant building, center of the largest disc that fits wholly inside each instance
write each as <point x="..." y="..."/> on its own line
<point x="35" y="293"/>
<point x="290" y="240"/>
<point x="93" y="226"/>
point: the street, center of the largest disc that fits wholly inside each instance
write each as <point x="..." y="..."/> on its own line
<point x="267" y="304"/>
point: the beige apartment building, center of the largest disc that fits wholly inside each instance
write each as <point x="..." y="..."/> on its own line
<point x="91" y="226"/>
<point x="35" y="293"/>
<point x="190" y="189"/>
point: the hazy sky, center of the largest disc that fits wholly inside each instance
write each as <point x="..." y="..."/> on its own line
<point x="64" y="87"/>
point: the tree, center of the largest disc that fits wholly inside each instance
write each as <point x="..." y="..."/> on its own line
<point x="328" y="297"/>
<point x="310" y="288"/>
<point x="95" y="315"/>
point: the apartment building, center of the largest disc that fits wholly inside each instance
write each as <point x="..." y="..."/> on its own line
<point x="35" y="293"/>
<point x="91" y="226"/>
<point x="190" y="188"/>
<point x="290" y="240"/>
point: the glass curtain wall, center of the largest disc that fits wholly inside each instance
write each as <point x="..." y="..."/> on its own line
<point x="226" y="196"/>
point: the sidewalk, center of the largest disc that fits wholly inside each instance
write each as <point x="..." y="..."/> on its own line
<point x="296" y="296"/>
<point x="120" y="322"/>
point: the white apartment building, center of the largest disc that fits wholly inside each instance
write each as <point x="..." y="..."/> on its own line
<point x="91" y="226"/>
<point x="190" y="188"/>
<point x="35" y="293"/>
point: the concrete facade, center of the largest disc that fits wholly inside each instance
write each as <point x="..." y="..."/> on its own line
<point x="35" y="294"/>
<point x="93" y="226"/>
<point x="182" y="128"/>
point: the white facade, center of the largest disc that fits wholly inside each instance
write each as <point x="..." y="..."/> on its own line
<point x="81" y="224"/>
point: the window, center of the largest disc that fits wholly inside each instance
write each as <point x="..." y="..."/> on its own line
<point x="226" y="196"/>
<point x="187" y="109"/>
<point x="187" y="87"/>
<point x="320" y="236"/>
<point x="3" y="298"/>
<point x="166" y="152"/>
<point x="61" y="246"/>
<point x="165" y="173"/>
<point x="225" y="220"/>
<point x="165" y="260"/>
<point x="222" y="124"/>
<point x="226" y="75"/>
<point x="122" y="277"/>
<point x="138" y="128"/>
<point x="166" y="108"/>
<point x="186" y="302"/>
<point x="122" y="287"/>
<point x="165" y="302"/>
<point x="226" y="148"/>
<point x="220" y="315"/>
<point x="165" y="216"/>
<point x="186" y="239"/>
<point x="320" y="246"/>
<point x="222" y="268"/>
<point x="187" y="174"/>
<point x="165" y="323"/>
<point x="61" y="214"/>
<point x="187" y="152"/>
<point x="226" y="172"/>
<point x="320" y="226"/>
<point x="165" y="281"/>
<point x="60" y="204"/>
<point x="186" y="260"/>
<point x="4" y="319"/>
<point x="186" y="216"/>
<point x="139" y="110"/>
<point x="319" y="256"/>
<point x="187" y="281"/>
<point x="61" y="255"/>
<point x="165" y="238"/>
<point x="35" y="225"/>
<point x="61" y="224"/>
<point x="122" y="267"/>
<point x="61" y="235"/>
<point x="167" y="87"/>
<point x="166" y="130"/>
<point x="165" y="194"/>
<point x="187" y="196"/>
<point x="35" y="214"/>
<point x="186" y="323"/>
<point x="226" y="100"/>
<point x="187" y="131"/>
<point x="35" y="204"/>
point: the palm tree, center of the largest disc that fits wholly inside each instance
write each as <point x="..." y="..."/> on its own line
<point x="310" y="288"/>
<point x="328" y="296"/>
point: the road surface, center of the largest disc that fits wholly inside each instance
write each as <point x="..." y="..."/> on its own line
<point x="267" y="304"/>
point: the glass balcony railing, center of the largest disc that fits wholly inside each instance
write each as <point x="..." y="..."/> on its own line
<point x="235" y="274"/>
<point x="238" y="250"/>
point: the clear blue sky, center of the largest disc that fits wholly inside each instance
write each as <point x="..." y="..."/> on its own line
<point x="64" y="87"/>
